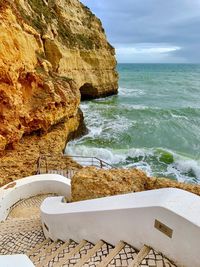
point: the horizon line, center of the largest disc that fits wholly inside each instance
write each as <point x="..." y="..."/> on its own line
<point x="185" y="63"/>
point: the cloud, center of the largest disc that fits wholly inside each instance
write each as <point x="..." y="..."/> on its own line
<point x="146" y="54"/>
<point x="140" y="49"/>
<point x="130" y="24"/>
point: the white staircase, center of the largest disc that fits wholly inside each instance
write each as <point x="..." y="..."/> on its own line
<point x="19" y="235"/>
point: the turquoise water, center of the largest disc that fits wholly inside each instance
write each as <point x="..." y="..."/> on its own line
<point x="152" y="124"/>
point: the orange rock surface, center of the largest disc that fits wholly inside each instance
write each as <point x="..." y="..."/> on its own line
<point x="90" y="183"/>
<point x="51" y="53"/>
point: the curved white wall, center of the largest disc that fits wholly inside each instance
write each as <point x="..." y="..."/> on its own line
<point x="31" y="186"/>
<point x="131" y="218"/>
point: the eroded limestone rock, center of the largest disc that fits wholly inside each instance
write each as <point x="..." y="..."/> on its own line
<point x="21" y="159"/>
<point x="90" y="183"/>
<point x="48" y="51"/>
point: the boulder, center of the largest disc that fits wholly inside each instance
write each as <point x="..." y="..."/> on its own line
<point x="90" y="183"/>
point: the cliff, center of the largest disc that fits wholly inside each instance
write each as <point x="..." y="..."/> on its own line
<point x="90" y="183"/>
<point x="51" y="53"/>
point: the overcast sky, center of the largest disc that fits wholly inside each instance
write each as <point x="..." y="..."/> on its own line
<point x="151" y="30"/>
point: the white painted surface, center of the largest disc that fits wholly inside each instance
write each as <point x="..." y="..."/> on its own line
<point x="19" y="260"/>
<point x="31" y="186"/>
<point x="131" y="218"/>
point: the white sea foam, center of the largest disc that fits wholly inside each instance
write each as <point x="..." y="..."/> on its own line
<point x="180" y="168"/>
<point x="185" y="166"/>
<point x="144" y="166"/>
<point x="84" y="106"/>
<point x="100" y="126"/>
<point x="118" y="123"/>
<point x="136" y="107"/>
<point x="101" y="153"/>
<point x="113" y="157"/>
<point x="179" y="116"/>
<point x="130" y="92"/>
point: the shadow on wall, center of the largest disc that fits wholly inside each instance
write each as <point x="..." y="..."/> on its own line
<point x="88" y="91"/>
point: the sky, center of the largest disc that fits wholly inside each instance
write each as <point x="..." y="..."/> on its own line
<point x="151" y="31"/>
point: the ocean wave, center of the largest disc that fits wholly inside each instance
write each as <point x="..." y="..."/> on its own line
<point x="185" y="169"/>
<point x="137" y="107"/>
<point x="93" y="109"/>
<point x="99" y="126"/>
<point x="101" y="153"/>
<point x="169" y="163"/>
<point x="118" y="158"/>
<point x="130" y="92"/>
<point x="179" y="116"/>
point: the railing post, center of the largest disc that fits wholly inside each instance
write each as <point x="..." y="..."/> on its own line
<point x="38" y="165"/>
<point x="101" y="164"/>
<point x="46" y="164"/>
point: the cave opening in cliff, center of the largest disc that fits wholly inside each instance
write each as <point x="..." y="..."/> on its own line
<point x="88" y="91"/>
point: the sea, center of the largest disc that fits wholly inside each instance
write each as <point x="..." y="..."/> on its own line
<point x="153" y="124"/>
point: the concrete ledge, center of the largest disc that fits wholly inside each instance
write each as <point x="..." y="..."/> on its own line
<point x="15" y="260"/>
<point x="31" y="186"/>
<point x="166" y="219"/>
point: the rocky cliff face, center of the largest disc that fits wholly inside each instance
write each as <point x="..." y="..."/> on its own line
<point x="91" y="183"/>
<point x="51" y="53"/>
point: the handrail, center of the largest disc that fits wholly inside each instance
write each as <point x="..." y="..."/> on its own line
<point x="82" y="160"/>
<point x="86" y="157"/>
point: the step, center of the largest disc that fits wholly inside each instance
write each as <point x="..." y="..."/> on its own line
<point x="140" y="256"/>
<point x="50" y="260"/>
<point x="153" y="258"/>
<point x="112" y="254"/>
<point x="36" y="249"/>
<point x="59" y="254"/>
<point x="75" y="255"/>
<point x="125" y="256"/>
<point x="99" y="255"/>
<point x="39" y="249"/>
<point x="89" y="254"/>
<point x="45" y="252"/>
<point x="70" y="255"/>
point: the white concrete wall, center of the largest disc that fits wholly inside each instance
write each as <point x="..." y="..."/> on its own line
<point x="18" y="260"/>
<point x="31" y="186"/>
<point x="131" y="218"/>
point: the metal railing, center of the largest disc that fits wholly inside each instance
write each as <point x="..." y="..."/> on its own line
<point x="43" y="165"/>
<point x="91" y="161"/>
